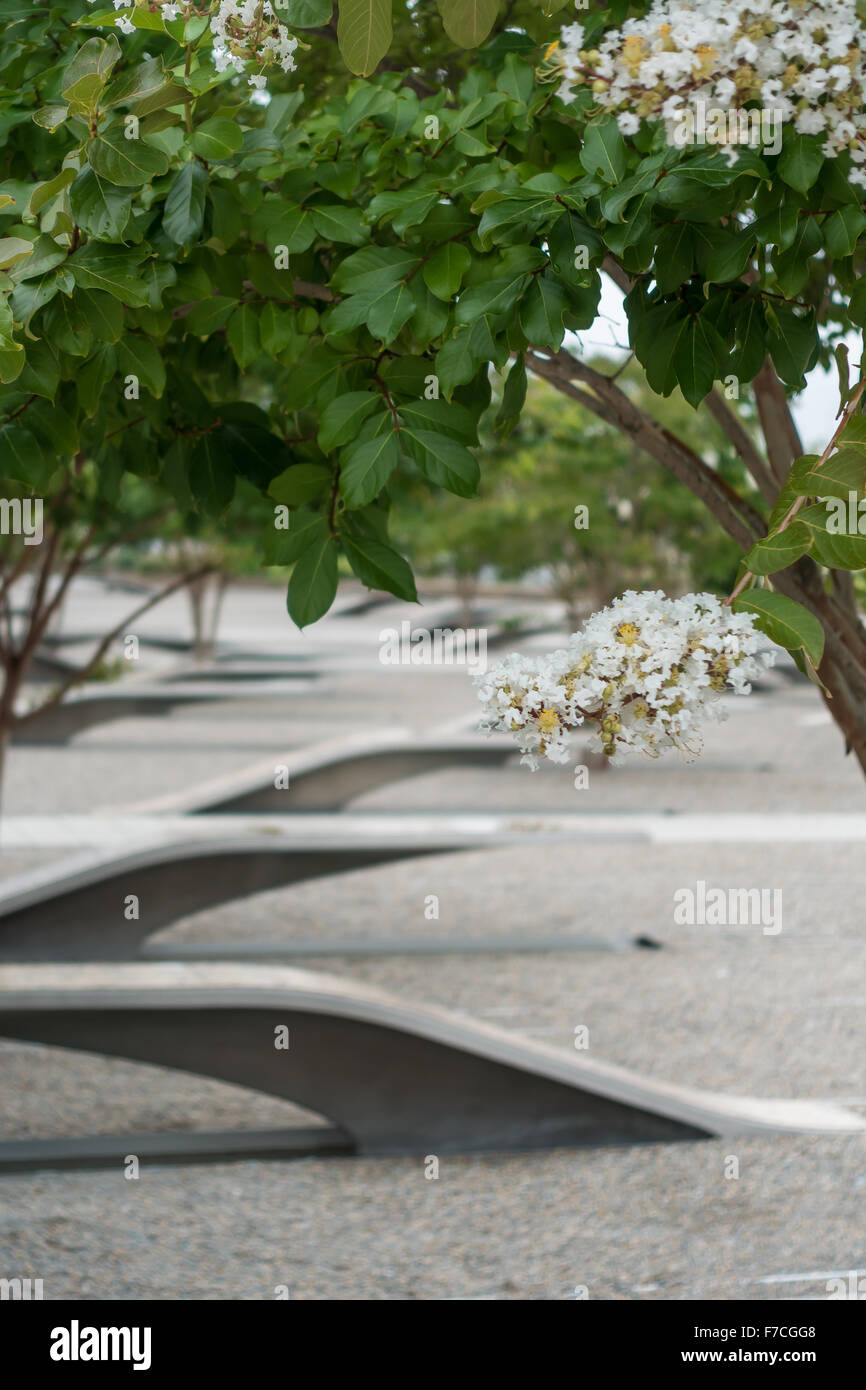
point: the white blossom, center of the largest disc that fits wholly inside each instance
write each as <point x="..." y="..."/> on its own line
<point x="803" y="59"/>
<point x="641" y="676"/>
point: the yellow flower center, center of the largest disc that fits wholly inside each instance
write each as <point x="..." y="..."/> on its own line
<point x="548" y="721"/>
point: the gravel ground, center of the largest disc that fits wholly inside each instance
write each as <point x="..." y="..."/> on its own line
<point x="726" y="1008"/>
<point x="648" y="1222"/>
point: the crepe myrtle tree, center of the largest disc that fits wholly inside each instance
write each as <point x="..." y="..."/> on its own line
<point x="216" y="274"/>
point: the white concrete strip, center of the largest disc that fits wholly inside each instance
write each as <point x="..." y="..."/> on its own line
<point x="351" y="828"/>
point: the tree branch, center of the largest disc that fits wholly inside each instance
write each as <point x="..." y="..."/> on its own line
<point x="608" y="401"/>
<point x="747" y="451"/>
<point x="79" y="676"/>
<point x="777" y="422"/>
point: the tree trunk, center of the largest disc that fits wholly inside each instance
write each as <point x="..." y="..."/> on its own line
<point x="205" y="598"/>
<point x="467" y="587"/>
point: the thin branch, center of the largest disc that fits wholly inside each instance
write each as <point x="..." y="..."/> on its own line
<point x="852" y="405"/>
<point x="747" y="451"/>
<point x="777" y="422"/>
<point x="79" y="676"/>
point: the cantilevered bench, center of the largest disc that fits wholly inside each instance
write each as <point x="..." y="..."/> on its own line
<point x="394" y="1077"/>
<point x="77" y="910"/>
<point x="327" y="777"/>
<point x="91" y="707"/>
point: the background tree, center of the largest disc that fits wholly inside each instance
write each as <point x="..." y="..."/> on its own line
<point x="645" y="530"/>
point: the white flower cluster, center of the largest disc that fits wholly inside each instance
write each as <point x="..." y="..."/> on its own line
<point x="642" y="674"/>
<point x="245" y="32"/>
<point x="803" y="59"/>
<point x="248" y="31"/>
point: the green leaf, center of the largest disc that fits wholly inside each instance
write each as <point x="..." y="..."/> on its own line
<point x="300" y="483"/>
<point x="217" y="138"/>
<point x="379" y="567"/>
<point x="837" y="540"/>
<point x="604" y="151"/>
<point x="340" y="223"/>
<point x="183" y="211"/>
<point x="443" y="272"/>
<point x="364" y="33"/>
<point x="389" y="312"/>
<point x="212" y="473"/>
<point x="290" y="226"/>
<point x="137" y="81"/>
<point x="44" y="192"/>
<point x="843" y="473"/>
<point x="779" y="227"/>
<point x="493" y="298"/>
<point x="51" y="423"/>
<point x="51" y="117"/>
<point x="277" y="328"/>
<point x="728" y="260"/>
<point x="449" y="417"/>
<point x="126" y="163"/>
<point x="793" y="342"/>
<point x="14" y="249"/>
<point x="779" y="550"/>
<point x="785" y="622"/>
<point x="94" y="56"/>
<point x="104" y="315"/>
<point x="306" y="14"/>
<point x="696" y="357"/>
<point x="374" y="268"/>
<point x="674" y="260"/>
<point x="513" y="397"/>
<point x="184" y="206"/>
<point x="285" y="547"/>
<point x="242" y="332"/>
<point x="406" y="208"/>
<point x="98" y="207"/>
<point x="342" y="418"/>
<point x="444" y="461"/>
<point x="67" y="327"/>
<point x="209" y="315"/>
<point x="313" y="585"/>
<point x="800" y="161"/>
<point x="842" y="230"/>
<point x="12" y="363"/>
<point x="541" y="311"/>
<point x="365" y="468"/>
<point x="794" y="487"/>
<point x="23" y="456"/>
<point x="111" y="269"/>
<point x="140" y="357"/>
<point x="750" y="329"/>
<point x="468" y="22"/>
